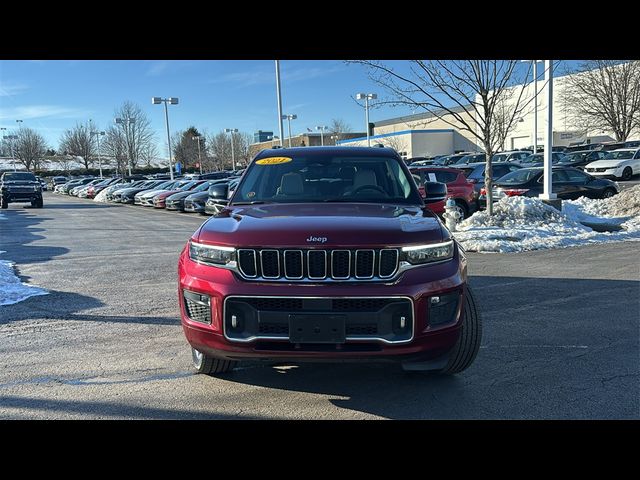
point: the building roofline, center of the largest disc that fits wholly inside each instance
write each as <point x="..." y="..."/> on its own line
<point x="393" y="134"/>
<point x="417" y="116"/>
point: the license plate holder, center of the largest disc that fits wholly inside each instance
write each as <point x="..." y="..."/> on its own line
<point x="317" y="328"/>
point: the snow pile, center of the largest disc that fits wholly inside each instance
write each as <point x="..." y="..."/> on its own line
<point x="101" y="196"/>
<point x="522" y="223"/>
<point x="12" y="290"/>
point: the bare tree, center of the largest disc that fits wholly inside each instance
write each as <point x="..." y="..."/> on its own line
<point x="138" y="135"/>
<point x="476" y="96"/>
<point x="241" y="142"/>
<point x="396" y="142"/>
<point x="62" y="162"/>
<point x="219" y="149"/>
<point x="30" y="148"/>
<point x="338" y="127"/>
<point x="114" y="147"/>
<point x="79" y="142"/>
<point x="605" y="95"/>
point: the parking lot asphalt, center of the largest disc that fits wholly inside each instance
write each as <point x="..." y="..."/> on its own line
<point x="561" y="334"/>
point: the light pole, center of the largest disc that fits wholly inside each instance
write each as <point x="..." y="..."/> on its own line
<point x="233" y="155"/>
<point x="548" y="141"/>
<point x="322" y="129"/>
<point x="198" y="138"/>
<point x="366" y="97"/>
<point x="127" y="121"/>
<point x="98" y="134"/>
<point x="279" y="95"/>
<point x="289" y="118"/>
<point x="535" y="104"/>
<point x="172" y="101"/>
<point x="335" y="139"/>
<point x="11" y="138"/>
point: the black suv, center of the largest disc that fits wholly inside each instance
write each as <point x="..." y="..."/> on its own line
<point x="20" y="187"/>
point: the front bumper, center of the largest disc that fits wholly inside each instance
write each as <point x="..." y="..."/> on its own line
<point x="615" y="172"/>
<point x="399" y="327"/>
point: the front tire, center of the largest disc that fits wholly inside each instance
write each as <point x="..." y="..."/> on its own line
<point x="608" y="193"/>
<point x="4" y="202"/>
<point x="462" y="209"/>
<point x="627" y="173"/>
<point x="207" y="365"/>
<point x="468" y="344"/>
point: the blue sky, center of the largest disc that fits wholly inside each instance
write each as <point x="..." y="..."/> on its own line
<point x="52" y="95"/>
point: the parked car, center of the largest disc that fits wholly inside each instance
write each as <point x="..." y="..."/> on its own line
<point x="632" y="144"/>
<point x="216" y="203"/>
<point x="450" y="159"/>
<point x="303" y="266"/>
<point x="111" y="190"/>
<point x="458" y="188"/>
<point x="55" y="181"/>
<point x="75" y="183"/>
<point x="145" y="198"/>
<point x="537" y="160"/>
<point x="127" y="195"/>
<point x="159" y="201"/>
<point x="609" y="146"/>
<point x="81" y="191"/>
<point x="20" y="187"/>
<point x="419" y="161"/>
<point x="566" y="183"/>
<point x="467" y="159"/>
<point x="498" y="170"/>
<point x="195" y="202"/>
<point x="176" y="201"/>
<point x="93" y="190"/>
<point x="580" y="158"/>
<point x="43" y="184"/>
<point x="512" y="156"/>
<point x="623" y="164"/>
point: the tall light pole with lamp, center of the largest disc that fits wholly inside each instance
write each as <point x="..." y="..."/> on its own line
<point x="535" y="103"/>
<point x="279" y="95"/>
<point x="322" y="129"/>
<point x="233" y="155"/>
<point x="199" y="138"/>
<point x="98" y="135"/>
<point x="366" y="97"/>
<point x="548" y="141"/>
<point x="172" y="101"/>
<point x="127" y="121"/>
<point x="289" y="118"/>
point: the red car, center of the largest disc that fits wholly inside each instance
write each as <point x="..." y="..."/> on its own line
<point x="458" y="188"/>
<point x="326" y="254"/>
<point x="160" y="200"/>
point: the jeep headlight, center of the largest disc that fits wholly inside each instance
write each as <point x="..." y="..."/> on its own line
<point x="428" y="253"/>
<point x="212" y="254"/>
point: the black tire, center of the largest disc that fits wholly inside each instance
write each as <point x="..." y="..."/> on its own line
<point x="608" y="193"/>
<point x="467" y="346"/>
<point x="207" y="365"/>
<point x="462" y="207"/>
<point x="4" y="203"/>
<point x="627" y="173"/>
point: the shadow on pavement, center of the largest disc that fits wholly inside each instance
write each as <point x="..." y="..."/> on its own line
<point x="103" y="409"/>
<point x="69" y="306"/>
<point x="546" y="353"/>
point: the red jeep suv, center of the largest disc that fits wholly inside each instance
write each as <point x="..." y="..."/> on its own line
<point x="458" y="188"/>
<point x="327" y="254"/>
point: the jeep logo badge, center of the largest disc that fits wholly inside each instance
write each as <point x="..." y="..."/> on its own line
<point x="317" y="239"/>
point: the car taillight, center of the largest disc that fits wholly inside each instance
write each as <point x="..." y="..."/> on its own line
<point x="514" y="192"/>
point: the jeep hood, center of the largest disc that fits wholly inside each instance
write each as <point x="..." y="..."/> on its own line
<point x="327" y="225"/>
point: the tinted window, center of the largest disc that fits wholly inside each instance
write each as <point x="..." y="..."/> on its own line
<point x="559" y="176"/>
<point x="477" y="172"/>
<point x="446" y="177"/>
<point x="520" y="176"/>
<point x="576" y="176"/>
<point x="619" y="155"/>
<point x="325" y="177"/>
<point x="637" y="154"/>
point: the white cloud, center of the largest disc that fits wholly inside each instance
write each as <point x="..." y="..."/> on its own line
<point x="41" y="111"/>
<point x="7" y="90"/>
<point x="262" y="75"/>
<point x="158" y="68"/>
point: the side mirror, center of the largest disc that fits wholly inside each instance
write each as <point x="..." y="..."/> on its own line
<point x="219" y="192"/>
<point x="434" y="192"/>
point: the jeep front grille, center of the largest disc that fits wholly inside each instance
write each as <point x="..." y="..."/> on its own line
<point x="318" y="264"/>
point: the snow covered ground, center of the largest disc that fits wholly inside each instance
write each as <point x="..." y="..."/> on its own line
<point x="522" y="223"/>
<point x="101" y="196"/>
<point x="12" y="290"/>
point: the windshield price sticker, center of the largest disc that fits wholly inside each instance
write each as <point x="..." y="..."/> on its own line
<point x="432" y="177"/>
<point x="273" y="160"/>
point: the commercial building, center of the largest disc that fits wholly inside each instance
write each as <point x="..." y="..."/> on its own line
<point x="303" y="140"/>
<point x="262" y="136"/>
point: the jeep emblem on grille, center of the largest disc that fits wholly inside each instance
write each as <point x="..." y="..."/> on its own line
<point x="317" y="239"/>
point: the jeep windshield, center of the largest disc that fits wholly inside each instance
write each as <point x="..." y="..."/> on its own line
<point x="326" y="178"/>
<point x="19" y="177"/>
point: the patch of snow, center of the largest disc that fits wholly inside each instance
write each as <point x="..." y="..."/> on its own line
<point x="2" y="217"/>
<point x="12" y="290"/>
<point x="523" y="223"/>
<point x="101" y="196"/>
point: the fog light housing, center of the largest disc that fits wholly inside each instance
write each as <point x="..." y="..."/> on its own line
<point x="197" y="306"/>
<point x="443" y="308"/>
